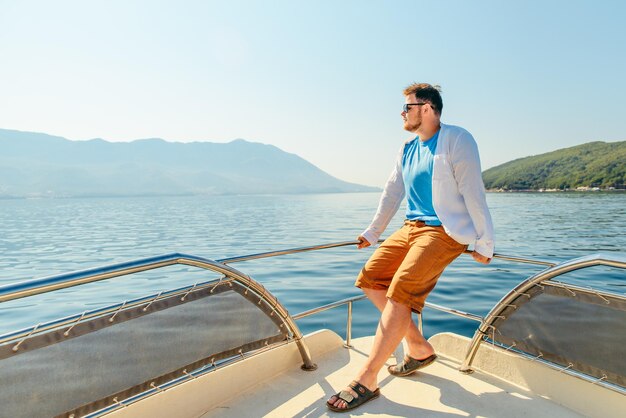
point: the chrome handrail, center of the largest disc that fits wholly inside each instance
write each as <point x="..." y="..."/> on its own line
<point x="486" y="322"/>
<point x="545" y="275"/>
<point x="456" y="312"/>
<point x="63" y="281"/>
<point x="348" y="301"/>
<point x="286" y="252"/>
<point x="327" y="307"/>
<point x="351" y="300"/>
<point x="257" y="256"/>
<point x="520" y="259"/>
<point x="87" y="315"/>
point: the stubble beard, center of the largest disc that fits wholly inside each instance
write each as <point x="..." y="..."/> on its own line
<point x="412" y="127"/>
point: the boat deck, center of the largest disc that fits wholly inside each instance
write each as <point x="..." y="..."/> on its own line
<point x="437" y="390"/>
<point x="272" y="384"/>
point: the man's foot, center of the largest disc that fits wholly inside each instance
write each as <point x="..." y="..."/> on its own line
<point x="410" y="365"/>
<point x="355" y="395"/>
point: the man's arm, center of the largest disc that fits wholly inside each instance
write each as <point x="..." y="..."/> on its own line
<point x="387" y="206"/>
<point x="469" y="179"/>
<point x="480" y="258"/>
<point x="362" y="242"/>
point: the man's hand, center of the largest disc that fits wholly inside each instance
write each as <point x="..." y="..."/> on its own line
<point x="362" y="242"/>
<point x="480" y="258"/>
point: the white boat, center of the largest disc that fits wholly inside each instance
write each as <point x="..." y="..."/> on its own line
<point x="227" y="347"/>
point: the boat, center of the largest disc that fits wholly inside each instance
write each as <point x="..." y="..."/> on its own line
<point x="226" y="346"/>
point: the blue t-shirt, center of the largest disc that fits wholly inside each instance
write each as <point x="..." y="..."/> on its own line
<point x="417" y="173"/>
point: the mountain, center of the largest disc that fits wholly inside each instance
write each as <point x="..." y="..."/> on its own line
<point x="595" y="164"/>
<point x="37" y="165"/>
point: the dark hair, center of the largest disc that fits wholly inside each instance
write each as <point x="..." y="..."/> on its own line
<point x="428" y="93"/>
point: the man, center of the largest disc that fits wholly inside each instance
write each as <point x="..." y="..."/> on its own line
<point x="439" y="173"/>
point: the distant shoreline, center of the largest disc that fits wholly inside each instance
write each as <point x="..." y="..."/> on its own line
<point x="494" y="191"/>
<point x="132" y="196"/>
<point x="556" y="191"/>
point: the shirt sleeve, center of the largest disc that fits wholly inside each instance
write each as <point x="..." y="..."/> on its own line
<point x="466" y="163"/>
<point x="389" y="203"/>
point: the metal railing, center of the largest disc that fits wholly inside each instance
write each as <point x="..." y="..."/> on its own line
<point x="553" y="270"/>
<point x="542" y="276"/>
<point x="346" y="243"/>
<point x="63" y="281"/>
<point x="541" y="279"/>
<point x="66" y="280"/>
<point x="350" y="301"/>
<point x="47" y="284"/>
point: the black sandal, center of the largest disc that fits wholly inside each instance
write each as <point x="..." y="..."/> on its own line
<point x="410" y="365"/>
<point x="365" y="395"/>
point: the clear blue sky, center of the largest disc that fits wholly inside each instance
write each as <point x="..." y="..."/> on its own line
<point x="322" y="79"/>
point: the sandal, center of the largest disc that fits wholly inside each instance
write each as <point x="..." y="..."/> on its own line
<point x="410" y="365"/>
<point x="365" y="395"/>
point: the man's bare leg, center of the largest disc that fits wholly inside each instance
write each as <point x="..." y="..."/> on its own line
<point x="392" y="327"/>
<point x="418" y="347"/>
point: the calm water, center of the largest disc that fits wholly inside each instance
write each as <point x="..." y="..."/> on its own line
<point x="45" y="237"/>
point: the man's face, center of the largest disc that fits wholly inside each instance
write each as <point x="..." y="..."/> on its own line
<point x="413" y="115"/>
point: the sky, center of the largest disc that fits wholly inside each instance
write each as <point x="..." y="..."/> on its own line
<point x="320" y="79"/>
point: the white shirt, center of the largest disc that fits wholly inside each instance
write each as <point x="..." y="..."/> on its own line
<point x="458" y="193"/>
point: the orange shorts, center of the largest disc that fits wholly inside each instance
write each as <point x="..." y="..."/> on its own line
<point x="409" y="263"/>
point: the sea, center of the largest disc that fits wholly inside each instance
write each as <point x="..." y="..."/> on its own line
<point x="45" y="237"/>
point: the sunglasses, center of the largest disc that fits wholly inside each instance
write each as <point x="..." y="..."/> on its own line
<point x="406" y="107"/>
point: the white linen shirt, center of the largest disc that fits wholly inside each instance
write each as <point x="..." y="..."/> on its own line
<point x="458" y="193"/>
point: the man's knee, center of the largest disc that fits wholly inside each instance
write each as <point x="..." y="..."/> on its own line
<point x="370" y="291"/>
<point x="400" y="306"/>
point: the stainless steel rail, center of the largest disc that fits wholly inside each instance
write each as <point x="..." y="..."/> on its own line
<point x="62" y="281"/>
<point x="455" y="312"/>
<point x="66" y="280"/>
<point x="351" y="300"/>
<point x="347" y="301"/>
<point x="327" y="307"/>
<point x="548" y="274"/>
<point x="87" y="315"/>
<point x="520" y="259"/>
<point x="286" y="252"/>
<point x="346" y="243"/>
<point x="485" y="323"/>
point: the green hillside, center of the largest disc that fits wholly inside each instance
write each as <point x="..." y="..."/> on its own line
<point x="595" y="164"/>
